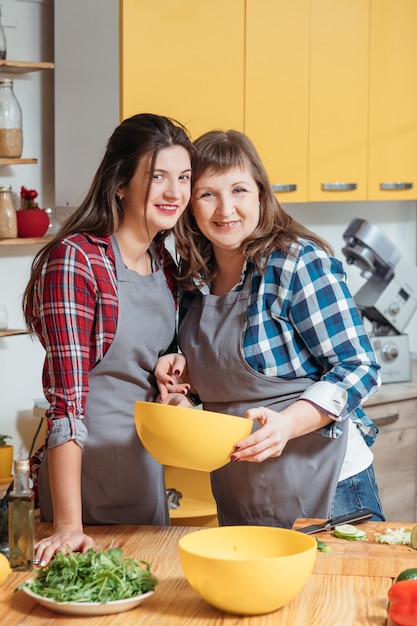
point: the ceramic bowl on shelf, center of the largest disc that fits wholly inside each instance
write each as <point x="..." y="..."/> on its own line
<point x="32" y="222"/>
<point x="189" y="438"/>
<point x="247" y="570"/>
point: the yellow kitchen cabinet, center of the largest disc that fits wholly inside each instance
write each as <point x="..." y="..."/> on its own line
<point x="331" y="97"/>
<point x="184" y="59"/>
<point x="277" y="91"/>
<point x="393" y="100"/>
<point x="325" y="89"/>
<point x="339" y="76"/>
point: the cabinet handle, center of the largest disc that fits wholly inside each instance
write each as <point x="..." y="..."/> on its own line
<point x="387" y="419"/>
<point x="339" y="186"/>
<point x="395" y="186"/>
<point x="284" y="188"/>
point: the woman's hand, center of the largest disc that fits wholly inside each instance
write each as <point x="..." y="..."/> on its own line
<point x="171" y="376"/>
<point x="175" y="399"/>
<point x="267" y="441"/>
<point x="277" y="428"/>
<point x="61" y="540"/>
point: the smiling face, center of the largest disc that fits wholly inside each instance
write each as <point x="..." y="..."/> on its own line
<point x="169" y="191"/>
<point x="226" y="207"/>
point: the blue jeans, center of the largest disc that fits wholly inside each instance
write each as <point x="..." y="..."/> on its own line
<point x="360" y="491"/>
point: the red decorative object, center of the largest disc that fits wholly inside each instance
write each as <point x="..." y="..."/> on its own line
<point x="32" y="222"/>
<point x="28" y="198"/>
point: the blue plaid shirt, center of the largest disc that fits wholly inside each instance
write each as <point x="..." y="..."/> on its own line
<point x="302" y="321"/>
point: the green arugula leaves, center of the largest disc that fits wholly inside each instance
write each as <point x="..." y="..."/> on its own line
<point x="97" y="576"/>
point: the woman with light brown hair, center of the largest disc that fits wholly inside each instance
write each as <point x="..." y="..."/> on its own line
<point x="270" y="332"/>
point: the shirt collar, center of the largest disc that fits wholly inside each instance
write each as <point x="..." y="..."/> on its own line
<point x="205" y="288"/>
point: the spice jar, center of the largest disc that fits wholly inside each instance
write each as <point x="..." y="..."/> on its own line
<point x="8" y="219"/>
<point x="11" y="140"/>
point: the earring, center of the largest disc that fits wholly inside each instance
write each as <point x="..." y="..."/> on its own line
<point x="119" y="197"/>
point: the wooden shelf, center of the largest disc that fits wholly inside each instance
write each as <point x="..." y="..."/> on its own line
<point x="5" y="161"/>
<point x="13" y="331"/>
<point x="23" y="67"/>
<point x="21" y="241"/>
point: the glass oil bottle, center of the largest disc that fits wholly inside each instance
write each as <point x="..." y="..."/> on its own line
<point x="21" y="519"/>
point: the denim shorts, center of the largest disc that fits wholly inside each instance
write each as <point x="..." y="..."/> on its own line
<point x="356" y="492"/>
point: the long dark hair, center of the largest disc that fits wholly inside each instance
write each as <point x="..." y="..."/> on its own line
<point x="101" y="211"/>
<point x="217" y="152"/>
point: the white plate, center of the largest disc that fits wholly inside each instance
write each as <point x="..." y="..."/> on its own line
<point x="89" y="608"/>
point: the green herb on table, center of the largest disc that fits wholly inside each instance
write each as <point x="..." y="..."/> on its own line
<point x="97" y="576"/>
<point x="323" y="547"/>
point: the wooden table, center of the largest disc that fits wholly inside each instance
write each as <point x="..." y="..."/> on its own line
<point x="342" y="591"/>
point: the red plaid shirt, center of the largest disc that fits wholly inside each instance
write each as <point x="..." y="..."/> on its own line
<point x="75" y="312"/>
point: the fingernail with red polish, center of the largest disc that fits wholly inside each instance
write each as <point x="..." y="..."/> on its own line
<point x="177" y="373"/>
<point x="237" y="447"/>
<point x="234" y="458"/>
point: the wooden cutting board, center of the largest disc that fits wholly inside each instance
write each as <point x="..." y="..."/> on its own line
<point x="362" y="558"/>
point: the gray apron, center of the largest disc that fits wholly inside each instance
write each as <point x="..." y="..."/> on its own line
<point x="121" y="482"/>
<point x="302" y="481"/>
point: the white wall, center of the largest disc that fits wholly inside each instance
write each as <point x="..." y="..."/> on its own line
<point x="87" y="100"/>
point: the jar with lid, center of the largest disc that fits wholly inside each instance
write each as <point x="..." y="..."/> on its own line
<point x="11" y="139"/>
<point x="8" y="219"/>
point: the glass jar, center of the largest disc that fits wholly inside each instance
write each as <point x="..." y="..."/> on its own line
<point x="3" y="46"/>
<point x="11" y="139"/>
<point x="8" y="219"/>
<point x="54" y="223"/>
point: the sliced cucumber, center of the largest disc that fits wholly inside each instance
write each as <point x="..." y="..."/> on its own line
<point x="323" y="547"/>
<point x="413" y="538"/>
<point x="350" y="532"/>
<point x="407" y="574"/>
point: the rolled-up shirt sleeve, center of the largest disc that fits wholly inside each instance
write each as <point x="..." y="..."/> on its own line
<point x="328" y="321"/>
<point x="62" y="430"/>
<point x="330" y="398"/>
<point x="303" y="322"/>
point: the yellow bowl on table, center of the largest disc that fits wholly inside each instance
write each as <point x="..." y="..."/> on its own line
<point x="189" y="438"/>
<point x="247" y="570"/>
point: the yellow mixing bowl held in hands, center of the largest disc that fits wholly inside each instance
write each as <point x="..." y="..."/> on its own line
<point x="189" y="438"/>
<point x="247" y="570"/>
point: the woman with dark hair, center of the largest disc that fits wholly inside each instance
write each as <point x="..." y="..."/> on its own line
<point x="100" y="299"/>
<point x="270" y="332"/>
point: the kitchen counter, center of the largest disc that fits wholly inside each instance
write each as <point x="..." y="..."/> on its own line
<point x="394" y="392"/>
<point x="337" y="593"/>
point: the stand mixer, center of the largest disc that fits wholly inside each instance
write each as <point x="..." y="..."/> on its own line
<point x="388" y="299"/>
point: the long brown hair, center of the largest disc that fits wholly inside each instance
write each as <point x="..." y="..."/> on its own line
<point x="142" y="135"/>
<point x="217" y="152"/>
